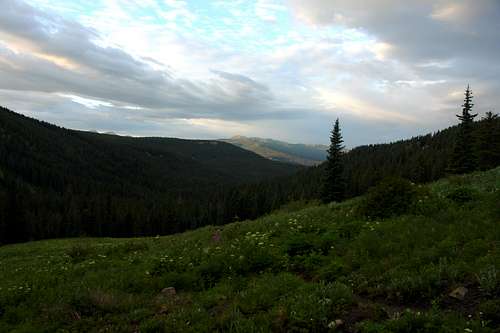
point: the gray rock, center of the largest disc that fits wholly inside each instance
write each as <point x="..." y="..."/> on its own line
<point x="459" y="293"/>
<point x="170" y="291"/>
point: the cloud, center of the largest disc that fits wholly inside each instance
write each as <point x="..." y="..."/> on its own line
<point x="283" y="69"/>
<point x="48" y="53"/>
<point x="419" y="31"/>
<point x="432" y="47"/>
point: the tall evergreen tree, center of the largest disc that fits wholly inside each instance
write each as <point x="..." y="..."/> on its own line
<point x="463" y="158"/>
<point x="333" y="182"/>
<point x="488" y="148"/>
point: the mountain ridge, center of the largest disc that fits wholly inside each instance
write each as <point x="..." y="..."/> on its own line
<point x="276" y="150"/>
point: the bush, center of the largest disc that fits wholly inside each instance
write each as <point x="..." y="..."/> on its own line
<point x="491" y="312"/>
<point x="462" y="195"/>
<point x="307" y="264"/>
<point x="79" y="252"/>
<point x="314" y="307"/>
<point x="488" y="279"/>
<point x="333" y="270"/>
<point x="299" y="244"/>
<point x="393" y="196"/>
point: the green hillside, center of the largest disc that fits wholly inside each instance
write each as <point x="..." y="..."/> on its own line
<point x="432" y="266"/>
<point x="282" y="151"/>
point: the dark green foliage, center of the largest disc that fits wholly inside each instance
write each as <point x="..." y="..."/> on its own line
<point x="79" y="252"/>
<point x="464" y="158"/>
<point x="488" y="142"/>
<point x="333" y="187"/>
<point x="391" y="275"/>
<point x="299" y="244"/>
<point x="491" y="312"/>
<point x="461" y="195"/>
<point x="420" y="159"/>
<point x="393" y="196"/>
<point x="420" y="322"/>
<point x="61" y="183"/>
<point x="56" y="182"/>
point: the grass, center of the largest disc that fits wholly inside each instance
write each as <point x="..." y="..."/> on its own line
<point x="322" y="268"/>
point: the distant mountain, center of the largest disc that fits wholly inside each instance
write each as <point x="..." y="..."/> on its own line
<point x="275" y="150"/>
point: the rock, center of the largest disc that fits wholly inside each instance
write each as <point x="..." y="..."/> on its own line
<point x="339" y="323"/>
<point x="459" y="293"/>
<point x="336" y="323"/>
<point x="170" y="291"/>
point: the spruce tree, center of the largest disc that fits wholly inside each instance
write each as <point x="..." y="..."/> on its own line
<point x="488" y="148"/>
<point x="333" y="181"/>
<point x="463" y="158"/>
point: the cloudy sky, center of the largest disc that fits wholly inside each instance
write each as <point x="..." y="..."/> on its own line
<point x="283" y="69"/>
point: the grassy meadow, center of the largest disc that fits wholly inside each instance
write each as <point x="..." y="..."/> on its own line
<point x="371" y="264"/>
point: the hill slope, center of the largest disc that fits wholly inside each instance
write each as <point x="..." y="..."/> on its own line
<point x="56" y="182"/>
<point x="420" y="159"/>
<point x="318" y="269"/>
<point x="34" y="150"/>
<point x="282" y="151"/>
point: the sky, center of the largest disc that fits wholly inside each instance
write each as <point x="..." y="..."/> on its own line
<point x="282" y="69"/>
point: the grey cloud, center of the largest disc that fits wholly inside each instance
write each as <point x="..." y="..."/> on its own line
<point x="420" y="30"/>
<point x="110" y="74"/>
<point x="241" y="79"/>
<point x="451" y="41"/>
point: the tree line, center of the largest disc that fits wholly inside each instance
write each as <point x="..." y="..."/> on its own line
<point x="51" y="198"/>
<point x="465" y="148"/>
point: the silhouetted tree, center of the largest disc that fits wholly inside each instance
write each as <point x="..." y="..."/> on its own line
<point x="488" y="148"/>
<point x="463" y="158"/>
<point x="334" y="183"/>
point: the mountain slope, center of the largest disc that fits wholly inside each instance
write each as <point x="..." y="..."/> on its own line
<point x="56" y="182"/>
<point x="320" y="269"/>
<point x="282" y="151"/>
<point x="32" y="149"/>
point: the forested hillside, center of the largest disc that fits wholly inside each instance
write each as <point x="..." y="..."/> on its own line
<point x="56" y="182"/>
<point x="420" y="159"/>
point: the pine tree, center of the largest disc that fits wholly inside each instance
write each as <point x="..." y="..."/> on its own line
<point x="333" y="182"/>
<point x="488" y="148"/>
<point x="463" y="158"/>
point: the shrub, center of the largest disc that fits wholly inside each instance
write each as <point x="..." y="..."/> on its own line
<point x="487" y="279"/>
<point x="332" y="270"/>
<point x="462" y="195"/>
<point x="299" y="244"/>
<point x="491" y="312"/>
<point x="211" y="272"/>
<point x="393" y="196"/>
<point x="255" y="260"/>
<point x="314" y="307"/>
<point x="79" y="252"/>
<point x="307" y="264"/>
